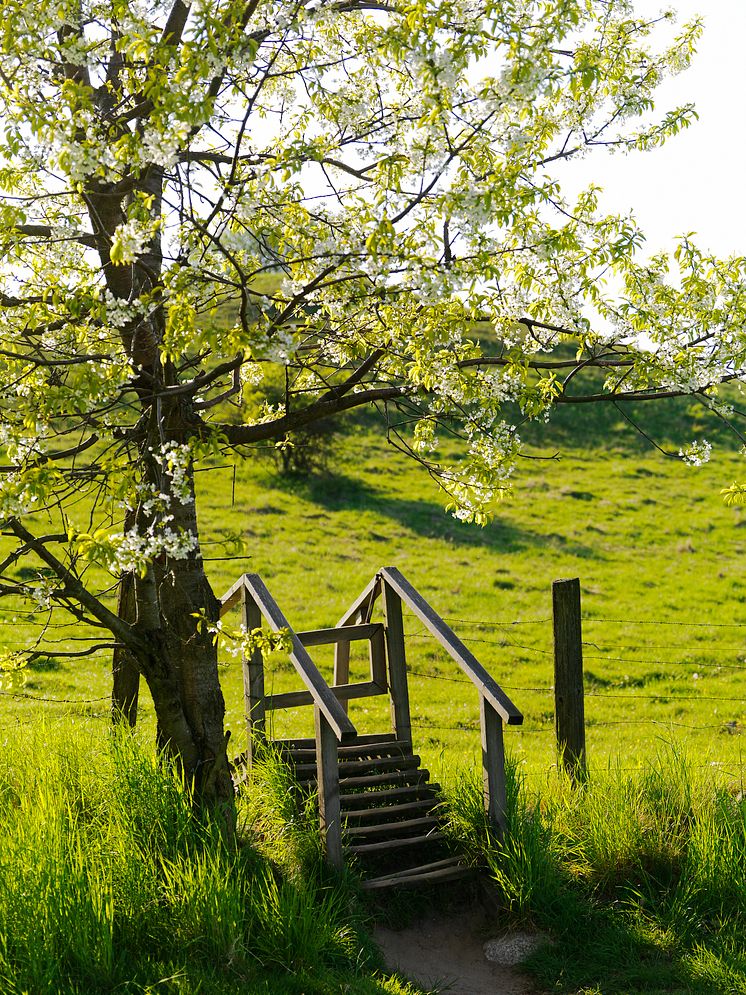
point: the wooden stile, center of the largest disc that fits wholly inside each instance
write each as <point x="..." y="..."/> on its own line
<point x="374" y="779"/>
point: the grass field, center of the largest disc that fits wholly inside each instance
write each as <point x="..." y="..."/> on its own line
<point x="639" y="879"/>
<point x="658" y="554"/>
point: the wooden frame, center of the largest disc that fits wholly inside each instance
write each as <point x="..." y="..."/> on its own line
<point x="388" y="673"/>
<point x="495" y="707"/>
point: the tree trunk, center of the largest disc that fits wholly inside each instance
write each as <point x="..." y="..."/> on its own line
<point x="167" y="605"/>
<point x="125" y="672"/>
<point x="181" y="669"/>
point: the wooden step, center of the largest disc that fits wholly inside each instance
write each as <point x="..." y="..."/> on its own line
<point x="350" y="768"/>
<point x="411" y="777"/>
<point x="362" y="849"/>
<point x="393" y="747"/>
<point x="310" y="743"/>
<point x="381" y="829"/>
<point x="439" y="870"/>
<point x="388" y="811"/>
<point x="419" y="790"/>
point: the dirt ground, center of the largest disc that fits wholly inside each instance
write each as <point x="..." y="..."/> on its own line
<point x="448" y="955"/>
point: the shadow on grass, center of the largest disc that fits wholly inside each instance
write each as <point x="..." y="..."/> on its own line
<point x="339" y="492"/>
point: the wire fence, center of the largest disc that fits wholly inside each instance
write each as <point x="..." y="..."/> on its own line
<point x="680" y="676"/>
<point x="622" y="669"/>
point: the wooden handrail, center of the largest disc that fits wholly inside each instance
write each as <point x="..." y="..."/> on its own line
<point x="341" y="634"/>
<point x="321" y="694"/>
<point x="486" y="685"/>
<point x="363" y="602"/>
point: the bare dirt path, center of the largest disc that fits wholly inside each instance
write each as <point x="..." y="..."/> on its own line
<point x="447" y="953"/>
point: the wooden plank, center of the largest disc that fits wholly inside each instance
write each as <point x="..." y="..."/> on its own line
<point x="360" y="610"/>
<point x="395" y="826"/>
<point x="486" y="684"/>
<point x="493" y="765"/>
<point x="378" y="764"/>
<point x="328" y="781"/>
<point x="342" y="668"/>
<point x="375" y="737"/>
<point x="386" y="811"/>
<point x="339" y="634"/>
<point x="454" y="871"/>
<point x="398" y="684"/>
<point x="320" y="690"/>
<point x="407" y="872"/>
<point x="253" y="680"/>
<point x="356" y="751"/>
<point x="292" y="744"/>
<point x="293" y="699"/>
<point x="378" y="658"/>
<point x="569" y="703"/>
<point x="431" y="866"/>
<point x="362" y="606"/>
<point x="419" y="790"/>
<point x="386" y="845"/>
<point x="393" y="777"/>
<point x="351" y="768"/>
<point x="233" y="595"/>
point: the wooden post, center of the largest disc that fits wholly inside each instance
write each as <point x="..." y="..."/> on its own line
<point x="253" y="680"/>
<point x="327" y="766"/>
<point x="342" y="666"/>
<point x="398" y="686"/>
<point x="569" y="707"/>
<point x="493" y="765"/>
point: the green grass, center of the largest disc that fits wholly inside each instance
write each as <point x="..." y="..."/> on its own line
<point x="108" y="883"/>
<point x="638" y="879"/>
<point x="649" y="537"/>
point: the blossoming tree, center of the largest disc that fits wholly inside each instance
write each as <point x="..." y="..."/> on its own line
<point x="393" y="166"/>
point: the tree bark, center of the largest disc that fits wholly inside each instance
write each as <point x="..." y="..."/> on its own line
<point x="125" y="673"/>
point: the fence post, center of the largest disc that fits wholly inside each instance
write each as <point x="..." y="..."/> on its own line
<point x="493" y="766"/>
<point x="253" y="680"/>
<point x="569" y="706"/>
<point x="327" y="768"/>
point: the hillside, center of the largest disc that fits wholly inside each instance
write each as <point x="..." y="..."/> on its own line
<point x="649" y="537"/>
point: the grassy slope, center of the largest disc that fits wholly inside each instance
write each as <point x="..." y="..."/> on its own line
<point x="649" y="537"/>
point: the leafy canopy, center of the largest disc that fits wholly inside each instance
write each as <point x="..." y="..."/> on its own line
<point x="370" y="190"/>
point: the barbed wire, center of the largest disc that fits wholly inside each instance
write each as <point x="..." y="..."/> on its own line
<point x="739" y="764"/>
<point x="655" y="696"/>
<point x="502" y="623"/>
<point x="56" y="701"/>
<point x="722" y="727"/>
<point x="657" y="621"/>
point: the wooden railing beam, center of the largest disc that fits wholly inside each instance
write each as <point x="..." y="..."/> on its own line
<point x="321" y="694"/>
<point x="493" y="765"/>
<point x="330" y="816"/>
<point x="253" y="680"/>
<point x="485" y="683"/>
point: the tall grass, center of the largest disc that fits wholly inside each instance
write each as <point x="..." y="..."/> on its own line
<point x="107" y="881"/>
<point x="638" y="877"/>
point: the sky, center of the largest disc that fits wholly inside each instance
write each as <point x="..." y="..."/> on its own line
<point x="697" y="181"/>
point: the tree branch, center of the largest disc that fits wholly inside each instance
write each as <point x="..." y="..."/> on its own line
<point x="241" y="435"/>
<point x="76" y="590"/>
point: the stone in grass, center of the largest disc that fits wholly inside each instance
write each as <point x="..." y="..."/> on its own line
<point x="513" y="948"/>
